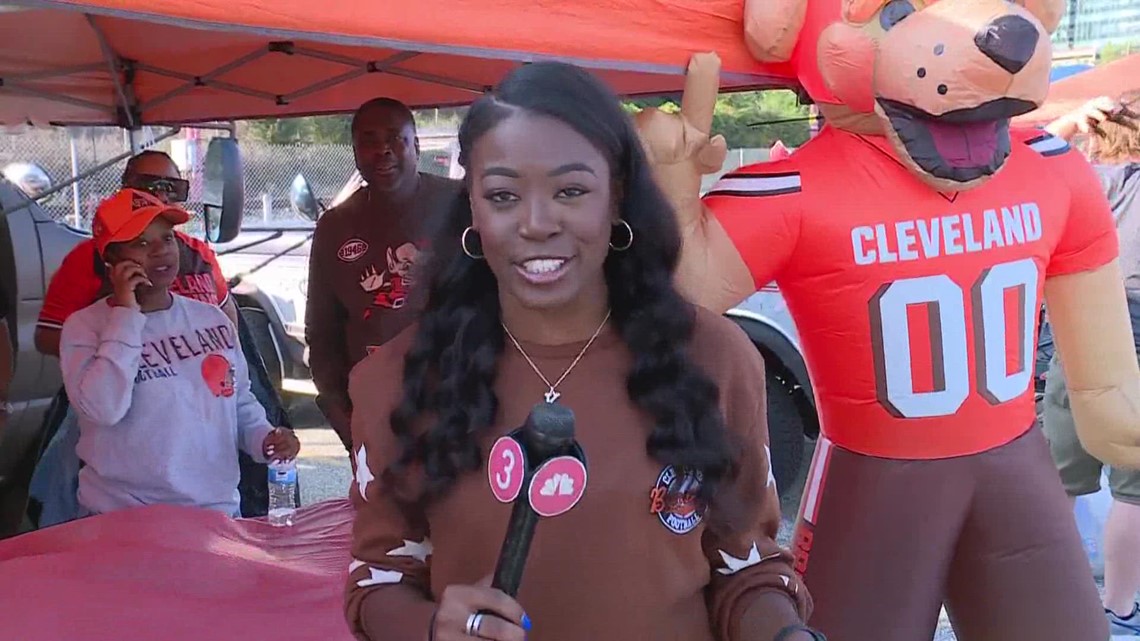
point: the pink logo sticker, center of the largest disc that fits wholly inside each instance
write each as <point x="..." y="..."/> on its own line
<point x="352" y="249"/>
<point x="505" y="469"/>
<point x="557" y="486"/>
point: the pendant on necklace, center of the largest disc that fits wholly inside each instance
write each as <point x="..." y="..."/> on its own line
<point x="551" y="396"/>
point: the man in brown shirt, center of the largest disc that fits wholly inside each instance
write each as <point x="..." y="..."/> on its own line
<point x="363" y="252"/>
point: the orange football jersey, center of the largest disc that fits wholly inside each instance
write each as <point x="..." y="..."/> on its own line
<point x="917" y="310"/>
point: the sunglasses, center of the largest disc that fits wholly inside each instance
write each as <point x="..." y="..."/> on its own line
<point x="176" y="190"/>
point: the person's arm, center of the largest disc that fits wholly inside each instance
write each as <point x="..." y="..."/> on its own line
<point x="99" y="364"/>
<point x="387" y="596"/>
<point x="73" y="287"/>
<point x="1084" y="119"/>
<point x="754" y="592"/>
<point x="253" y="426"/>
<point x="1092" y="329"/>
<point x="325" y="320"/>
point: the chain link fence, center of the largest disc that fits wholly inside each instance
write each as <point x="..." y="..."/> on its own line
<point x="269" y="169"/>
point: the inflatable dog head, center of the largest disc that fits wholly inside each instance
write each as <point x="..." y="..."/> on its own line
<point x="939" y="78"/>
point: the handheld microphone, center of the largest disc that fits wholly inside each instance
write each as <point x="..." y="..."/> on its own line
<point x="548" y="474"/>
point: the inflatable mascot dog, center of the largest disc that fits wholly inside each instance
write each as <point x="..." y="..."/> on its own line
<point x="914" y="239"/>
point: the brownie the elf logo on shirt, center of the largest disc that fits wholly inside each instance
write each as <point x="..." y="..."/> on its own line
<point x="352" y="250"/>
<point x="390" y="288"/>
<point x="218" y="373"/>
<point x="160" y="358"/>
<point x="674" y="500"/>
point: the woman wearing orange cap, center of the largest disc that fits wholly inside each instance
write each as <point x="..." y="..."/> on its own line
<point x="158" y="381"/>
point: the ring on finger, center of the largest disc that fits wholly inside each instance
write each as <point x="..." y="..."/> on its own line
<point x="474" y="621"/>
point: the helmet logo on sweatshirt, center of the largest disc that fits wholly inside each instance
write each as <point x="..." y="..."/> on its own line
<point x="674" y="500"/>
<point x="219" y="375"/>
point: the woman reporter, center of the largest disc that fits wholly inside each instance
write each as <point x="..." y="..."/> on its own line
<point x="551" y="280"/>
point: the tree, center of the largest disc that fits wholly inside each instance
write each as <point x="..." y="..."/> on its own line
<point x="334" y="130"/>
<point x="753" y="119"/>
<point x="329" y="130"/>
<point x="1116" y="50"/>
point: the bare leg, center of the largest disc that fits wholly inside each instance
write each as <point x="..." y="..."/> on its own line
<point x="1121" y="557"/>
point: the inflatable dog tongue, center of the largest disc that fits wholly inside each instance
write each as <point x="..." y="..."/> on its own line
<point x="941" y="80"/>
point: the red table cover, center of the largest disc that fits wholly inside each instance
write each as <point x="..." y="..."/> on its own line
<point x="179" y="574"/>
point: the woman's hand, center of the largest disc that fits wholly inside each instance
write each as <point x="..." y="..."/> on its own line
<point x="126" y="276"/>
<point x="1088" y="118"/>
<point x="281" y="445"/>
<point x="504" y="621"/>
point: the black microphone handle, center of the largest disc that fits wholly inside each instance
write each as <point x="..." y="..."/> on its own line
<point x="516" y="546"/>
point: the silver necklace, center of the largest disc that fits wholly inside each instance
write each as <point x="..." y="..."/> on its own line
<point x="552" y="393"/>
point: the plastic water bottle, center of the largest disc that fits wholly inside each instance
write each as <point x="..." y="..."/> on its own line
<point x="282" y="489"/>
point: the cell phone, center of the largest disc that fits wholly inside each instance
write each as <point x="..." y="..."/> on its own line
<point x="111" y="264"/>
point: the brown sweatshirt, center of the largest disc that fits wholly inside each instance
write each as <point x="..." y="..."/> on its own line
<point x="611" y="568"/>
<point x="359" y="280"/>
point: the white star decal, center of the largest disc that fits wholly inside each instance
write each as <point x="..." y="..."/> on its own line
<point x="363" y="474"/>
<point x="380" y="577"/>
<point x="771" y="475"/>
<point x="735" y="565"/>
<point x="355" y="565"/>
<point x="418" y="551"/>
<point x="787" y="581"/>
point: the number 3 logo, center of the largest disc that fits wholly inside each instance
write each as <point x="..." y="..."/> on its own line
<point x="505" y="459"/>
<point x="503" y="478"/>
<point x="950" y="362"/>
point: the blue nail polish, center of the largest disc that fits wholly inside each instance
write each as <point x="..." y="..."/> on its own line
<point x="526" y="622"/>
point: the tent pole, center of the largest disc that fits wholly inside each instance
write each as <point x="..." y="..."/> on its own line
<point x="113" y="60"/>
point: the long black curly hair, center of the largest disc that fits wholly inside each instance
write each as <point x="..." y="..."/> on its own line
<point x="450" y="370"/>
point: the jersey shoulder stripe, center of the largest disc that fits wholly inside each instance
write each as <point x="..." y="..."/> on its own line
<point x="1047" y="144"/>
<point x="757" y="185"/>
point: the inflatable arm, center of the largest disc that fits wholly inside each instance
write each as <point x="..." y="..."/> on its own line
<point x="1089" y="316"/>
<point x="711" y="272"/>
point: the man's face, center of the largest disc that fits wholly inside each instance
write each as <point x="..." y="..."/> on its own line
<point x="155" y="175"/>
<point x="384" y="143"/>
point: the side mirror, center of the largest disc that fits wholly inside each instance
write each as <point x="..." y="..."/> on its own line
<point x="31" y="178"/>
<point x="302" y="198"/>
<point x="223" y="198"/>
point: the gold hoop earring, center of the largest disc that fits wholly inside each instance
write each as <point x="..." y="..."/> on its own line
<point x="628" y="231"/>
<point x="463" y="242"/>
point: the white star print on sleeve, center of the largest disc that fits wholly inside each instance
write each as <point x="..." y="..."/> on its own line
<point x="380" y="577"/>
<point x="418" y="551"/>
<point x="735" y="565"/>
<point x="363" y="473"/>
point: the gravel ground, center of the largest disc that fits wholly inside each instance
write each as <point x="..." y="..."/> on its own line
<point x="324" y="473"/>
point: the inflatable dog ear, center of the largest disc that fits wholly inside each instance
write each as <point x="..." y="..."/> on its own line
<point x="941" y="79"/>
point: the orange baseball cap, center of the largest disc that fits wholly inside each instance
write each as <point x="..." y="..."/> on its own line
<point x="127" y="214"/>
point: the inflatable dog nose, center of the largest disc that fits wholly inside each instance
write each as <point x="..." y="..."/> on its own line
<point x="1009" y="41"/>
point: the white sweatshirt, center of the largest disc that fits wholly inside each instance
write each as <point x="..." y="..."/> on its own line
<point x="164" y="403"/>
